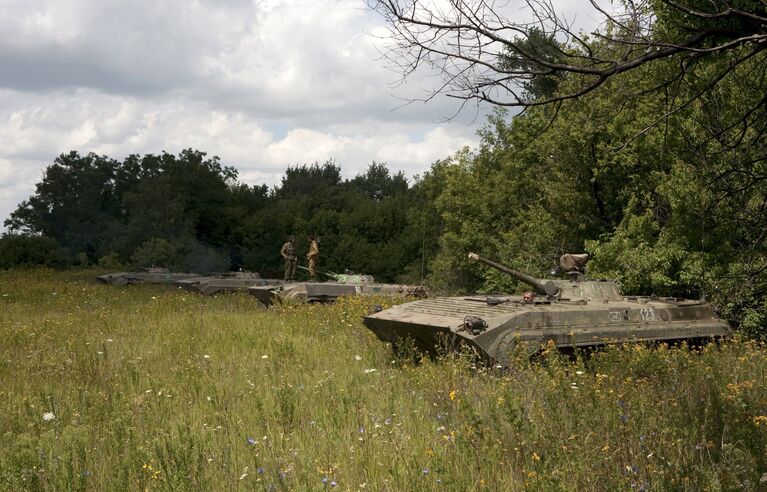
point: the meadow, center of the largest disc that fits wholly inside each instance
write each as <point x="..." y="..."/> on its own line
<point x="153" y="388"/>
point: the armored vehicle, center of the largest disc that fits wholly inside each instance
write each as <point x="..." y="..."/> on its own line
<point x="147" y="276"/>
<point x="342" y="284"/>
<point x="576" y="312"/>
<point x="226" y="282"/>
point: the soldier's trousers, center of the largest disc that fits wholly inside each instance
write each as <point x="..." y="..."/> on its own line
<point x="290" y="269"/>
<point x="312" y="268"/>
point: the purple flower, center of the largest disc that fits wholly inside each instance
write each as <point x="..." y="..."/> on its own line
<point x="362" y="430"/>
<point x="624" y="418"/>
<point x="333" y="483"/>
<point x="260" y="470"/>
<point x="425" y="471"/>
<point x="324" y="480"/>
<point x="251" y="441"/>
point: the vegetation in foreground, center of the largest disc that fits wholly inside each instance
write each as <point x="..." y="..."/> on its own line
<point x="136" y="388"/>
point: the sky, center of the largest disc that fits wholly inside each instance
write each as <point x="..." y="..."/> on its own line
<point x="263" y="84"/>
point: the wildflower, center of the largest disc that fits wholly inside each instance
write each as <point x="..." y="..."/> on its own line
<point x="206" y="356"/>
<point x="48" y="416"/>
<point x="333" y="483"/>
<point x="260" y="470"/>
<point x="425" y="471"/>
<point x="362" y="430"/>
<point x="251" y="441"/>
<point x="578" y="372"/>
<point x="358" y="357"/>
<point x="324" y="480"/>
<point x="368" y="371"/>
<point x="264" y="356"/>
<point x="536" y="457"/>
<point x="452" y="395"/>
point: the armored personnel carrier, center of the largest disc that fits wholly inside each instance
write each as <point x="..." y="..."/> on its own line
<point x="226" y="282"/>
<point x="576" y="312"/>
<point x="341" y="284"/>
<point x="146" y="276"/>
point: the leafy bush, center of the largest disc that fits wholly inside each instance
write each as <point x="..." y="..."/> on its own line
<point x="22" y="250"/>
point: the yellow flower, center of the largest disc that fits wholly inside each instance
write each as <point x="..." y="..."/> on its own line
<point x="536" y="457"/>
<point x="452" y="395"/>
<point x="759" y="420"/>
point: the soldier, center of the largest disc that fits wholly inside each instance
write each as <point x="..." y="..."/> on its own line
<point x="313" y="256"/>
<point x="288" y="252"/>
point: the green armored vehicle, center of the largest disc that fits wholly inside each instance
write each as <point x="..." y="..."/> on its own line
<point x="341" y="284"/>
<point x="225" y="282"/>
<point x="570" y="313"/>
<point x="146" y="276"/>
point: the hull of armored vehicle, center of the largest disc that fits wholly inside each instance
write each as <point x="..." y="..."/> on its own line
<point x="497" y="326"/>
<point x="326" y="292"/>
<point x="129" y="278"/>
<point x="215" y="285"/>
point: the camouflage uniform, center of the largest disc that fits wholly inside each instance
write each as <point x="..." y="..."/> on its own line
<point x="288" y="252"/>
<point x="313" y="256"/>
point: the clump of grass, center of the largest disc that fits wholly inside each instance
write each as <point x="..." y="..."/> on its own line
<point x="147" y="387"/>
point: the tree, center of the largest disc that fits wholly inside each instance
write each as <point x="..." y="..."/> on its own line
<point x="483" y="55"/>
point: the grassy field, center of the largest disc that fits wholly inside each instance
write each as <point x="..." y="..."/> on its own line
<point x="151" y="388"/>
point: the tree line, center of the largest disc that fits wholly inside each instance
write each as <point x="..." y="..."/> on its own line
<point x="189" y="212"/>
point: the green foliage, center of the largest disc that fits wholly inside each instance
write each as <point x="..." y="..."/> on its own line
<point x="156" y="252"/>
<point x="25" y="250"/>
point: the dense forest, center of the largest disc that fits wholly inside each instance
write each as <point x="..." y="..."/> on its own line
<point x="659" y="172"/>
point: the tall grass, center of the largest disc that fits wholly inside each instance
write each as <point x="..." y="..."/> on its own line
<point x="152" y="388"/>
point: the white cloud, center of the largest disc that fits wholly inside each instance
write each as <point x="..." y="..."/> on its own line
<point x="264" y="84"/>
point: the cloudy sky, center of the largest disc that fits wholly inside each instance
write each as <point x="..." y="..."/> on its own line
<point x="263" y="84"/>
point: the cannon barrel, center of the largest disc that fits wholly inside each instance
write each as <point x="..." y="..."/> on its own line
<point x="541" y="286"/>
<point x="327" y="274"/>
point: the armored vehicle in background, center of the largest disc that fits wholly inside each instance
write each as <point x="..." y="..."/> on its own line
<point x="226" y="282"/>
<point x="570" y="313"/>
<point x="147" y="276"/>
<point x="341" y="284"/>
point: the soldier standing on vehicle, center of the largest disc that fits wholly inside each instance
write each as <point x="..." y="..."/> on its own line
<point x="313" y="256"/>
<point x="288" y="253"/>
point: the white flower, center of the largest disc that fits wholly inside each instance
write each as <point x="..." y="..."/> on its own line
<point x="206" y="356"/>
<point x="48" y="416"/>
<point x="368" y="371"/>
<point x="578" y="372"/>
<point x="264" y="356"/>
<point x="357" y="357"/>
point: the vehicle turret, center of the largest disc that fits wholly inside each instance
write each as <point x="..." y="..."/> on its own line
<point x="576" y="287"/>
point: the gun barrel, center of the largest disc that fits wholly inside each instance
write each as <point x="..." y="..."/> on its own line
<point x="541" y="286"/>
<point x="327" y="274"/>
